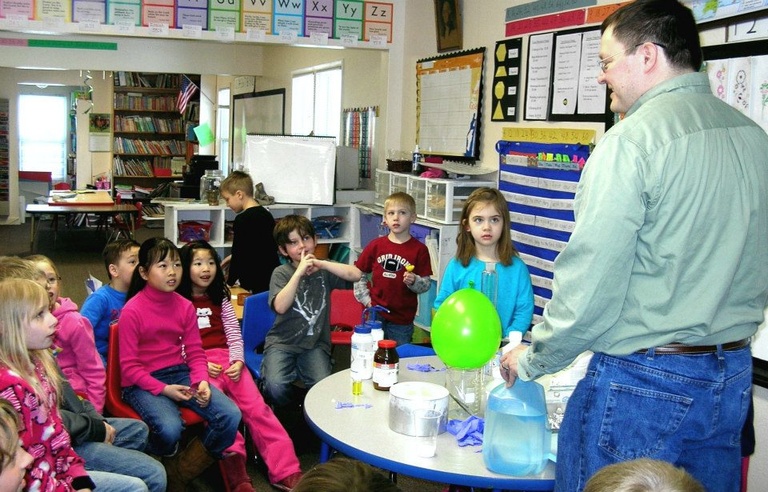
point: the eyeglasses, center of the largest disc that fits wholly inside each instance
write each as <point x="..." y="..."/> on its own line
<point x="603" y="62"/>
<point x="52" y="281"/>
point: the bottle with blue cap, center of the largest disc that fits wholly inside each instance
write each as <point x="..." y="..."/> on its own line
<point x="362" y="350"/>
<point x="371" y="321"/>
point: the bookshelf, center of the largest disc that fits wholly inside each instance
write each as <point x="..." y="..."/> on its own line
<point x="149" y="132"/>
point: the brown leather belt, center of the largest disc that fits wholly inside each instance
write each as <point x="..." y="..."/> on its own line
<point x="682" y="349"/>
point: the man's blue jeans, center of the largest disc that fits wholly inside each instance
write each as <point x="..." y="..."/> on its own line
<point x="122" y="466"/>
<point x="684" y="409"/>
<point x="280" y="368"/>
<point x="163" y="417"/>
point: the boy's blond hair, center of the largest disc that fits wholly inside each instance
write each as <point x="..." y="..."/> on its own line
<point x="9" y="433"/>
<point x="642" y="475"/>
<point x="401" y="198"/>
<point x="238" y="181"/>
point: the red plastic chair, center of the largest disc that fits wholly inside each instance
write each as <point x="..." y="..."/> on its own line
<point x="345" y="313"/>
<point x="116" y="407"/>
<point x="114" y="404"/>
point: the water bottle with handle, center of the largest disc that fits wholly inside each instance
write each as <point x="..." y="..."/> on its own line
<point x="516" y="440"/>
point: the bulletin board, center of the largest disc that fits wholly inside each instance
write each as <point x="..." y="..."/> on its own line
<point x="738" y="74"/>
<point x="448" y="99"/>
<point x="562" y="72"/>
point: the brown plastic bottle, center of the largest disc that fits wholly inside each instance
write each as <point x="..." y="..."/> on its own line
<point x="386" y="364"/>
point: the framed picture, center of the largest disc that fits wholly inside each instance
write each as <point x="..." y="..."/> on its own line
<point x="448" y="24"/>
<point x="99" y="123"/>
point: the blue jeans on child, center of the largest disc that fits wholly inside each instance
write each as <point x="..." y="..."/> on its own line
<point x="402" y="334"/>
<point x="280" y="368"/>
<point x="162" y="415"/>
<point x="123" y="465"/>
<point x="684" y="409"/>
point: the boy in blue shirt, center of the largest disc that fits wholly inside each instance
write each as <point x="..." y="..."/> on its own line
<point x="102" y="308"/>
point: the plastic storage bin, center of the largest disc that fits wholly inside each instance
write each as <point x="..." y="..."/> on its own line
<point x="446" y="197"/>
<point x="398" y="183"/>
<point x="417" y="188"/>
<point x="381" y="186"/>
<point x="426" y="299"/>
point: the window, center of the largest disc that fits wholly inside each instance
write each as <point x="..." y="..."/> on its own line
<point x="316" y="102"/>
<point x="43" y="134"/>
<point x="222" y="129"/>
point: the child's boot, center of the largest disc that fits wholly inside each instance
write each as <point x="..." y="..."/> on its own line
<point x="235" y="474"/>
<point x="187" y="465"/>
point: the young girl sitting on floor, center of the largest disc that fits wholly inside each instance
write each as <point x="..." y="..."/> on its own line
<point x="163" y="366"/>
<point x="203" y="283"/>
<point x="29" y="380"/>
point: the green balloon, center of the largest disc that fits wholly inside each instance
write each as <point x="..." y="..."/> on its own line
<point x="466" y="330"/>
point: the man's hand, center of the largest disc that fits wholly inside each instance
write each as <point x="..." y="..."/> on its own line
<point x="508" y="364"/>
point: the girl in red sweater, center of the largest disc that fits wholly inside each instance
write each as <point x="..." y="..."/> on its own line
<point x="29" y="381"/>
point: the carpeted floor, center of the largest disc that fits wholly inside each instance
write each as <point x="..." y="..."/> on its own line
<point x="76" y="252"/>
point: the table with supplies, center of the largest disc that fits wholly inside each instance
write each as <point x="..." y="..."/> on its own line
<point x="358" y="427"/>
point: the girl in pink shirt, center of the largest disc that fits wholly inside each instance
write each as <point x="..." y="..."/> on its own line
<point x="163" y="366"/>
<point x="78" y="358"/>
<point x="203" y="283"/>
<point x="30" y="381"/>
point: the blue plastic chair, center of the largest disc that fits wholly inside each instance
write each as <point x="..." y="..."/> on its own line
<point x="413" y="350"/>
<point x="258" y="319"/>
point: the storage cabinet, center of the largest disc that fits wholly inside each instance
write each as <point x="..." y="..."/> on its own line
<point x="221" y="215"/>
<point x="438" y="200"/>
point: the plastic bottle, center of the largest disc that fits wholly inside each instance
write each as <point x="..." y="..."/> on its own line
<point x="416" y="163"/>
<point x="516" y="440"/>
<point x="489" y="282"/>
<point x="369" y="317"/>
<point x="361" y="360"/>
<point x="386" y="364"/>
<point x="377" y="332"/>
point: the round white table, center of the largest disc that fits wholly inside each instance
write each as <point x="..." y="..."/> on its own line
<point x="358" y="426"/>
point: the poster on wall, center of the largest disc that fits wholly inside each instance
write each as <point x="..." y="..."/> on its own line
<point x="506" y="79"/>
<point x="576" y="93"/>
<point x="99" y="136"/>
<point x="539" y="76"/>
<point x="449" y="89"/>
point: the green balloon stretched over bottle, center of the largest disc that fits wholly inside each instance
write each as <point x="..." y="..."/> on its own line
<point x="466" y="330"/>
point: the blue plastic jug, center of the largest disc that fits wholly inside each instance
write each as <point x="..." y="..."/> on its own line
<point x="516" y="440"/>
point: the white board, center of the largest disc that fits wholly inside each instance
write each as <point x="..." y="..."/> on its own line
<point x="293" y="169"/>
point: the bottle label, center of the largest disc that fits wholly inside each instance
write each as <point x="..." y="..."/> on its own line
<point x="361" y="361"/>
<point x="385" y="375"/>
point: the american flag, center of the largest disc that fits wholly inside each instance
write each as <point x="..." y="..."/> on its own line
<point x="188" y="89"/>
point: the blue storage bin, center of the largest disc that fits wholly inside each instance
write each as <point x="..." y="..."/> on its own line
<point x="426" y="300"/>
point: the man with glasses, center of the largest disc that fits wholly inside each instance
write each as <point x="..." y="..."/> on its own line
<point x="665" y="276"/>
